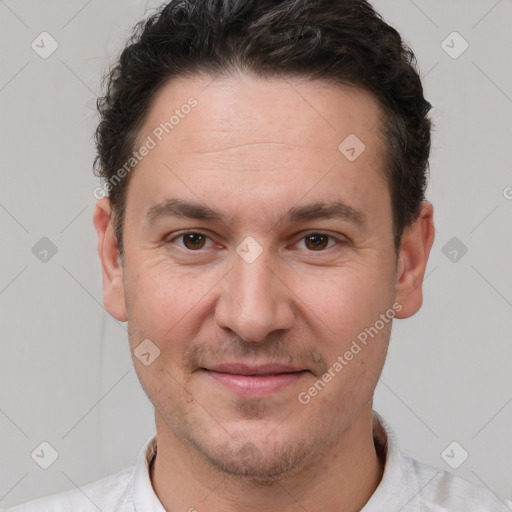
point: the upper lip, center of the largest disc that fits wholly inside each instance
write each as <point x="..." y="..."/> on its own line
<point x="246" y="369"/>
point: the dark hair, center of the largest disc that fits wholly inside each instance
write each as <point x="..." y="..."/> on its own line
<point x="337" y="41"/>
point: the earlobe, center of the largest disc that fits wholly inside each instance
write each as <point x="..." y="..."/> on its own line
<point x="111" y="263"/>
<point x="416" y="243"/>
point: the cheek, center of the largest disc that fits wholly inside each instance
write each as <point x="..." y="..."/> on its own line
<point x="169" y="305"/>
<point x="157" y="301"/>
<point x="349" y="299"/>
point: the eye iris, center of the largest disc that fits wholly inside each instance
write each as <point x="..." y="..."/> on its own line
<point x="194" y="240"/>
<point x="318" y="241"/>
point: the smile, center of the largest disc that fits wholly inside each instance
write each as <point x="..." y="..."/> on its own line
<point x="255" y="383"/>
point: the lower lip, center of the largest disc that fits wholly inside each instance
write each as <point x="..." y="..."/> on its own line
<point x="256" y="385"/>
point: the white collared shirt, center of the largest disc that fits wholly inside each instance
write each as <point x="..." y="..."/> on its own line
<point x="406" y="486"/>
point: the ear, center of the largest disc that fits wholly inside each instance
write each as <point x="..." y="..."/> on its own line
<point x="111" y="264"/>
<point x="415" y="246"/>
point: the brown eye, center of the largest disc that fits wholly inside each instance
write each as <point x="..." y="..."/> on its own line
<point x="316" y="241"/>
<point x="194" y="241"/>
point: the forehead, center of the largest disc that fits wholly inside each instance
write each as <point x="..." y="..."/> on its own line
<point x="311" y="111"/>
<point x="254" y="136"/>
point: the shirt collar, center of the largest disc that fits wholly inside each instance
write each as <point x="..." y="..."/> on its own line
<point x="144" y="497"/>
<point x="396" y="486"/>
<point x="399" y="484"/>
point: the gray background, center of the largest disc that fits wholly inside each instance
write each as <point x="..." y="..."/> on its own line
<point x="66" y="371"/>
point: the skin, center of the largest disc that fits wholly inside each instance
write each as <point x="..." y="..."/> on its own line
<point x="253" y="149"/>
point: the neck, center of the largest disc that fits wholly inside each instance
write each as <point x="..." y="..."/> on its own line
<point x="343" y="477"/>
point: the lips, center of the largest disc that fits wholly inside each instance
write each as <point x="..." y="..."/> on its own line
<point x="254" y="381"/>
<point x="244" y="369"/>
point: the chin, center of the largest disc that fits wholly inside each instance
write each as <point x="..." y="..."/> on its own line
<point x="258" y="460"/>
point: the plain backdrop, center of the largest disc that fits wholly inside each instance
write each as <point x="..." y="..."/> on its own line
<point x="66" y="372"/>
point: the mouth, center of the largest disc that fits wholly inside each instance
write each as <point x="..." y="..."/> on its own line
<point x="254" y="381"/>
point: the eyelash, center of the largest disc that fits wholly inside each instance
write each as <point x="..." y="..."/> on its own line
<point x="184" y="233"/>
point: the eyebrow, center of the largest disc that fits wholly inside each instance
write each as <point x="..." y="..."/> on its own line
<point x="319" y="210"/>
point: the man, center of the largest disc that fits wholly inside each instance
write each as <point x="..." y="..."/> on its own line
<point x="265" y="164"/>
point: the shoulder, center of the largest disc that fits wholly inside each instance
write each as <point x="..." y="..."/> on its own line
<point x="413" y="486"/>
<point x="440" y="490"/>
<point x="107" y="494"/>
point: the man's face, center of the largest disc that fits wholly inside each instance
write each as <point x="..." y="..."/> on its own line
<point x="262" y="155"/>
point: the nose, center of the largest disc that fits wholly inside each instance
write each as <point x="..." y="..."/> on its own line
<point x="254" y="300"/>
